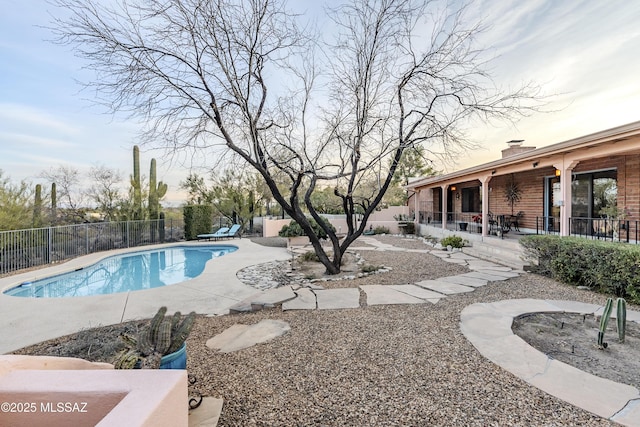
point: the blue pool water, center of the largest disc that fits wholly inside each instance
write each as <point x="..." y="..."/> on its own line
<point x="133" y="271"/>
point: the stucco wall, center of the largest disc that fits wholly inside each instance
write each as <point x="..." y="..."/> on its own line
<point x="383" y="217"/>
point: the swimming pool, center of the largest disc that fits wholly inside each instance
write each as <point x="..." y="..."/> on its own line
<point x="132" y="271"/>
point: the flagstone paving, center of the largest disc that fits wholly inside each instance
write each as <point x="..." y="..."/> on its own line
<point x="332" y="299"/>
<point x="382" y="295"/>
<point x="311" y="296"/>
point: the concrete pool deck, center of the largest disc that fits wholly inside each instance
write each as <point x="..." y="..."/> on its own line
<point x="26" y="321"/>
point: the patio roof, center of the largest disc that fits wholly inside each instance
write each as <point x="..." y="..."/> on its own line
<point x="608" y="142"/>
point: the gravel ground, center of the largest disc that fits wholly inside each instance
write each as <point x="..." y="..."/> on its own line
<point x="403" y="365"/>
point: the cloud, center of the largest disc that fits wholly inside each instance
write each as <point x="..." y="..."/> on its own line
<point x="23" y="115"/>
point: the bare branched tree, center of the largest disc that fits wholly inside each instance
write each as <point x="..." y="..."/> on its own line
<point x="70" y="195"/>
<point x="245" y="76"/>
<point x="105" y="190"/>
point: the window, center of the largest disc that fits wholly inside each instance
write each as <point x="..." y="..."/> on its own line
<point x="471" y="199"/>
<point x="592" y="192"/>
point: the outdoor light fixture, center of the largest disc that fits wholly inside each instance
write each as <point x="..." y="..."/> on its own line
<point x="557" y="172"/>
<point x="458" y="195"/>
<point x="493" y="172"/>
<point x="535" y="164"/>
<point x="453" y="188"/>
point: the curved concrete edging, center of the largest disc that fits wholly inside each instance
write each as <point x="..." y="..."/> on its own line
<point x="488" y="327"/>
<point x="26" y="321"/>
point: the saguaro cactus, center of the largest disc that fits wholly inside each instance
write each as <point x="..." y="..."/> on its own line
<point x="136" y="185"/>
<point x="156" y="191"/>
<point x="54" y="204"/>
<point x="37" y="207"/>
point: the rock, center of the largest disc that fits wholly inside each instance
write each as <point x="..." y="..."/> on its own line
<point x="238" y="337"/>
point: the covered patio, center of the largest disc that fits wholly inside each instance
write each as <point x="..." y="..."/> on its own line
<point x="588" y="186"/>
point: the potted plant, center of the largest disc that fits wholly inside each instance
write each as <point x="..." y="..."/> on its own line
<point x="512" y="193"/>
<point x="477" y="219"/>
<point x="160" y="345"/>
<point x="613" y="213"/>
<point x="405" y="223"/>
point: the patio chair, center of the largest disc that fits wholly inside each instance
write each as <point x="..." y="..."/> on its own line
<point x="492" y="222"/>
<point x="504" y="223"/>
<point x="233" y="232"/>
<point x="515" y="220"/>
<point x="218" y="234"/>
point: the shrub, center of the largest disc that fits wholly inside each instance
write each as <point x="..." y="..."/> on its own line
<point x="293" y="229"/>
<point x="381" y="230"/>
<point x="606" y="267"/>
<point x="197" y="220"/>
<point x="409" y="228"/>
<point x="309" y="256"/>
<point x="368" y="268"/>
<point x="453" y="241"/>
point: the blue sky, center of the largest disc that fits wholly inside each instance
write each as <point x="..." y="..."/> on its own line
<point x="585" y="52"/>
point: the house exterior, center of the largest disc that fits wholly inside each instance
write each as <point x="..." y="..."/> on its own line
<point x="587" y="186"/>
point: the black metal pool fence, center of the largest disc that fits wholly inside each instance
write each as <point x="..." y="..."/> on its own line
<point x="22" y="249"/>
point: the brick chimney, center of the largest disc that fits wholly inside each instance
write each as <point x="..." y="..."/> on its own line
<point x="515" y="147"/>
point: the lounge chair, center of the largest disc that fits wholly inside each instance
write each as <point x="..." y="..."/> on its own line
<point x="233" y="232"/>
<point x="217" y="235"/>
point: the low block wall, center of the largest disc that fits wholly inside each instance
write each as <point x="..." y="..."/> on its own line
<point x="382" y="218"/>
<point x="50" y="391"/>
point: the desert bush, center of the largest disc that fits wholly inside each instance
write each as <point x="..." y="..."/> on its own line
<point x="453" y="241"/>
<point x="606" y="267"/>
<point x="293" y="229"/>
<point x="368" y="268"/>
<point x="381" y="230"/>
<point x="409" y="228"/>
<point x="309" y="256"/>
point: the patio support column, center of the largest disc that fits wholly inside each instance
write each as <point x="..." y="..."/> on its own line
<point x="566" y="169"/>
<point x="484" y="181"/>
<point x="444" y="206"/>
<point x="416" y="208"/>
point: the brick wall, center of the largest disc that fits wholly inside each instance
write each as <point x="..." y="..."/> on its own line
<point x="531" y="185"/>
<point x="629" y="187"/>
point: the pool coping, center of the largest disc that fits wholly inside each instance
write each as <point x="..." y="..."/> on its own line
<point x="27" y="321"/>
<point x="488" y="327"/>
<point x="112" y="254"/>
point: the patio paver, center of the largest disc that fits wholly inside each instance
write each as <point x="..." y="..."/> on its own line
<point x="333" y="299"/>
<point x="461" y="279"/>
<point x="383" y="295"/>
<point x="305" y="300"/>
<point x="444" y="287"/>
<point x="418" y="292"/>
